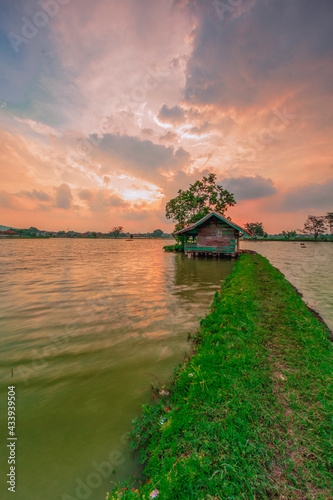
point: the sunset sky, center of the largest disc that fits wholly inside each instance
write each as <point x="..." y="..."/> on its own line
<point x="107" y="108"/>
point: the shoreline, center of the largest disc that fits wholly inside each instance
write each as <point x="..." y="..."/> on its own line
<point x="313" y="311"/>
<point x="260" y="359"/>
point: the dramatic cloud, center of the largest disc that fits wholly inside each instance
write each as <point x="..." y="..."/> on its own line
<point x="142" y="153"/>
<point x="116" y="201"/>
<point x="311" y="197"/>
<point x="86" y="194"/>
<point x="63" y="197"/>
<point x="173" y="115"/>
<point x="6" y="200"/>
<point x="169" y="137"/>
<point x="258" y="49"/>
<point x="37" y="195"/>
<point x="96" y="126"/>
<point x="148" y="132"/>
<point x="248" y="188"/>
<point x="143" y="158"/>
<point x="102" y="200"/>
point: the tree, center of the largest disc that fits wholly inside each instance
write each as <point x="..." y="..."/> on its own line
<point x="329" y="218"/>
<point x="289" y="234"/>
<point x="117" y="230"/>
<point x="158" y="233"/>
<point x="315" y="225"/>
<point x="201" y="198"/>
<point x="255" y="228"/>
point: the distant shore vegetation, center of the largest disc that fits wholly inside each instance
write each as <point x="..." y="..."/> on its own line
<point x="318" y="228"/>
<point x="116" y="233"/>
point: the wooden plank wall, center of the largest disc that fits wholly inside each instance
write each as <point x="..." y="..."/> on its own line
<point x="216" y="235"/>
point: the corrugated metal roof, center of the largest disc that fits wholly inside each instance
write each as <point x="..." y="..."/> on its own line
<point x="196" y="224"/>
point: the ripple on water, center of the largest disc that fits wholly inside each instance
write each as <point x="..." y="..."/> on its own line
<point x="87" y="326"/>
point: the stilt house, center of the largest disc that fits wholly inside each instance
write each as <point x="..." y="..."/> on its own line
<point x="212" y="235"/>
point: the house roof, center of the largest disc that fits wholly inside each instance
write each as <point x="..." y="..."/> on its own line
<point x="208" y="216"/>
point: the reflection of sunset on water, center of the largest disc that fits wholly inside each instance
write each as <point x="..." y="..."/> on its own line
<point x="87" y="326"/>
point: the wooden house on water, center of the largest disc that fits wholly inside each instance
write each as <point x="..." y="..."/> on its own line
<point x="212" y="235"/>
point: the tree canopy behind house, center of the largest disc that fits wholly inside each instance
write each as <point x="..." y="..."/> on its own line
<point x="200" y="199"/>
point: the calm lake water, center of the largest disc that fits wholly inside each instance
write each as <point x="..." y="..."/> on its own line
<point x="87" y="326"/>
<point x="309" y="267"/>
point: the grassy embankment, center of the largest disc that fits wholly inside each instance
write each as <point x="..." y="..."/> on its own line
<point x="249" y="415"/>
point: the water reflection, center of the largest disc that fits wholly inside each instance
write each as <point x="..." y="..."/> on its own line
<point x="201" y="271"/>
<point x="87" y="326"/>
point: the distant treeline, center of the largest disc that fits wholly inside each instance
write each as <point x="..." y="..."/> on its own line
<point x="34" y="232"/>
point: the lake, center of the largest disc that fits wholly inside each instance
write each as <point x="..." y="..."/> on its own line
<point x="307" y="265"/>
<point x="87" y="326"/>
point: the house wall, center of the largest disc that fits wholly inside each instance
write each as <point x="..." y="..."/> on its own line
<point x="217" y="234"/>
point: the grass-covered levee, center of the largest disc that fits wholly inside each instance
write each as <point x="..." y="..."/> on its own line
<point x="249" y="414"/>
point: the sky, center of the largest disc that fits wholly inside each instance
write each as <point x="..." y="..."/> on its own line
<point x="108" y="108"/>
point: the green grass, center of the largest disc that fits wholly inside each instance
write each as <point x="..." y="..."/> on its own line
<point x="178" y="247"/>
<point x="249" y="415"/>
